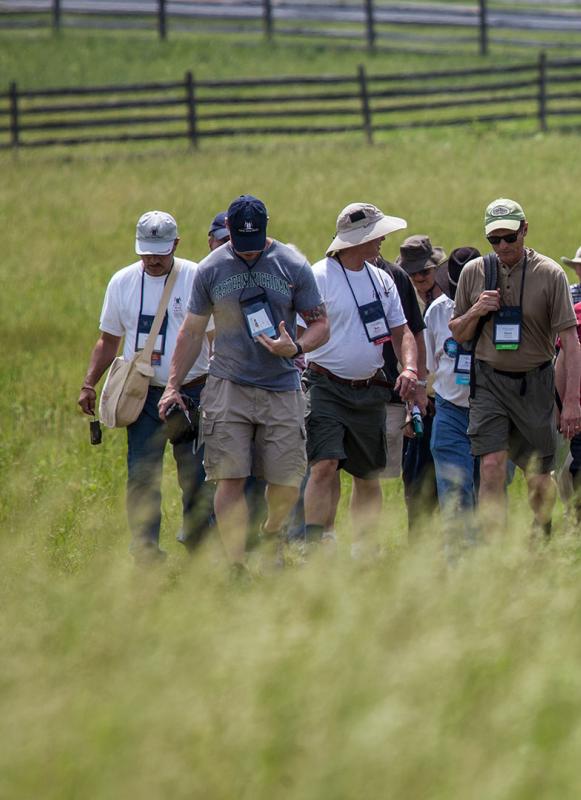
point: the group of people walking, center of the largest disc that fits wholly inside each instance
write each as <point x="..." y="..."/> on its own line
<point x="437" y="368"/>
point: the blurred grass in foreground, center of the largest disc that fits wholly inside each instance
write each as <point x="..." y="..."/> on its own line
<point x="403" y="680"/>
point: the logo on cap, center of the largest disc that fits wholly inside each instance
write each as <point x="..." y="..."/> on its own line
<point x="154" y="231"/>
<point x="248" y="227"/>
<point x="499" y="211"/>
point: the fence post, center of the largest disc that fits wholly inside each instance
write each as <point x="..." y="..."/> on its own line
<point x="370" y="24"/>
<point x="365" y="109"/>
<point x="483" y="23"/>
<point x="161" y="18"/>
<point x="267" y="18"/>
<point x="56" y="15"/>
<point x="191" y="105"/>
<point x="14" y="129"/>
<point x="543" y="91"/>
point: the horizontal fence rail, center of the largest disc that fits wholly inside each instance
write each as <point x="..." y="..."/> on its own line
<point x="421" y="25"/>
<point x="534" y="93"/>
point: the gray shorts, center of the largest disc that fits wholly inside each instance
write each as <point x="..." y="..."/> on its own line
<point x="252" y="431"/>
<point x="347" y="425"/>
<point x="501" y="418"/>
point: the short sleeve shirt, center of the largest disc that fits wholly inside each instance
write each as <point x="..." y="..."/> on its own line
<point x="349" y="353"/>
<point x="222" y="280"/>
<point x="546" y="309"/>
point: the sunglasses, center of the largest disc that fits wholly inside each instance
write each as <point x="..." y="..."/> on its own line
<point x="509" y="238"/>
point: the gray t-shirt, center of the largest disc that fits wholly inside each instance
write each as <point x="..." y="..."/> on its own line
<point x="222" y="280"/>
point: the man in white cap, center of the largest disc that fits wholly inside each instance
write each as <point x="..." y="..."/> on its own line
<point x="512" y="328"/>
<point x="131" y="301"/>
<point x="348" y="390"/>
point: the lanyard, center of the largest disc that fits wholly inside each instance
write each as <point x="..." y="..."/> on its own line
<point x="249" y="266"/>
<point x="349" y="283"/>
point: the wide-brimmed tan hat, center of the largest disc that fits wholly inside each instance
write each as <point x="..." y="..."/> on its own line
<point x="573" y="262"/>
<point x="362" y="222"/>
<point x="418" y="253"/>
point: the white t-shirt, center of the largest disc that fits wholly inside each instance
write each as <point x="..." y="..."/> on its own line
<point x="349" y="353"/>
<point x="121" y="312"/>
<point x="441" y="351"/>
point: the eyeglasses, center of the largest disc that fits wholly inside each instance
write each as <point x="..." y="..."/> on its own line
<point x="509" y="238"/>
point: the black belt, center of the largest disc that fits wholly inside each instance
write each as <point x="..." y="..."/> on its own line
<point x="194" y="382"/>
<point x="375" y="380"/>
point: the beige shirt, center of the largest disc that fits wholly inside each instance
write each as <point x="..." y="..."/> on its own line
<point x="547" y="309"/>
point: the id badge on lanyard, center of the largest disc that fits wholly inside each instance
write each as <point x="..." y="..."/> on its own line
<point x="144" y="323"/>
<point x="462" y="365"/>
<point x="507" y="328"/>
<point x="258" y="315"/>
<point x="374" y="321"/>
<point x="507" y="321"/>
<point x="372" y="314"/>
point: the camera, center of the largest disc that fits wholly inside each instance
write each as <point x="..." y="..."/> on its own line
<point x="95" y="431"/>
<point x="182" y="426"/>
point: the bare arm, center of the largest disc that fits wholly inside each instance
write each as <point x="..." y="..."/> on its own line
<point x="315" y="335"/>
<point x="188" y="346"/>
<point x="571" y="378"/>
<point x="463" y="328"/>
<point x="404" y="345"/>
<point x="103" y="354"/>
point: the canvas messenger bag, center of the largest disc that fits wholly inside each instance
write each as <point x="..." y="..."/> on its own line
<point x="125" y="389"/>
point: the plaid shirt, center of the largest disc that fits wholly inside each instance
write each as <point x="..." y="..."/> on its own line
<point x="576" y="293"/>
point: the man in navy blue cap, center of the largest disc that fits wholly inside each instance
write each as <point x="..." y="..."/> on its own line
<point x="218" y="233"/>
<point x="252" y="406"/>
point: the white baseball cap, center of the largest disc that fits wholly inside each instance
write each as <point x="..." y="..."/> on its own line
<point x="155" y="234"/>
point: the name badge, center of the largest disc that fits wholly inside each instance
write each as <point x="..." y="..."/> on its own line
<point x="507" y="328"/>
<point x="375" y="323"/>
<point x="143" y="328"/>
<point x="258" y="316"/>
<point x="462" y="365"/>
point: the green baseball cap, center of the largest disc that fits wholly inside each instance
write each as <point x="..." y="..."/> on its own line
<point x="503" y="213"/>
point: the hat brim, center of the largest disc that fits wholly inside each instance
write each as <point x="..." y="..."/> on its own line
<point x="382" y="227"/>
<point x="145" y="248"/>
<point x="571" y="262"/>
<point x="251" y="243"/>
<point x="506" y="224"/>
<point x="434" y="261"/>
<point x="220" y="233"/>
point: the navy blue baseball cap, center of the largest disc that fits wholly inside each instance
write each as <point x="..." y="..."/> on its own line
<point x="247" y="220"/>
<point x="218" y="227"/>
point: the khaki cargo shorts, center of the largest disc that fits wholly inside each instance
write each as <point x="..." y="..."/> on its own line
<point x="252" y="431"/>
<point x="501" y="418"/>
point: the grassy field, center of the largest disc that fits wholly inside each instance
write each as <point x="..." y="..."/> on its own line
<point x="405" y="679"/>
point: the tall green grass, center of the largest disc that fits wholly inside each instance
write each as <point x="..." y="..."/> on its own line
<point x="405" y="679"/>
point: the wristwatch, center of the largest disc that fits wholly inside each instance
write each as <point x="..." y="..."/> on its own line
<point x="299" y="350"/>
<point x="421" y="383"/>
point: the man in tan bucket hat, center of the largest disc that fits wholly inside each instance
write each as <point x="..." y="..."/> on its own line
<point x="348" y="389"/>
<point x="575" y="263"/>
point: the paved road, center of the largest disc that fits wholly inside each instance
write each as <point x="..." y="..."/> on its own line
<point x="420" y="13"/>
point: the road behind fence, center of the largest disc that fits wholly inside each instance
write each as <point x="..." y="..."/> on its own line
<point x="538" y="94"/>
<point x="416" y="25"/>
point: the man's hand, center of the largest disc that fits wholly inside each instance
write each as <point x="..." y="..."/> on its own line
<point x="87" y="399"/>
<point x="571" y="419"/>
<point x="284" y="347"/>
<point x="487" y="302"/>
<point x="406" y="384"/>
<point x="169" y="398"/>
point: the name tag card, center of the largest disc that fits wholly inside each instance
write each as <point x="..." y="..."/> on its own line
<point x="143" y="328"/>
<point x="462" y="365"/>
<point x="375" y="323"/>
<point x="507" y="328"/>
<point x="258" y="315"/>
